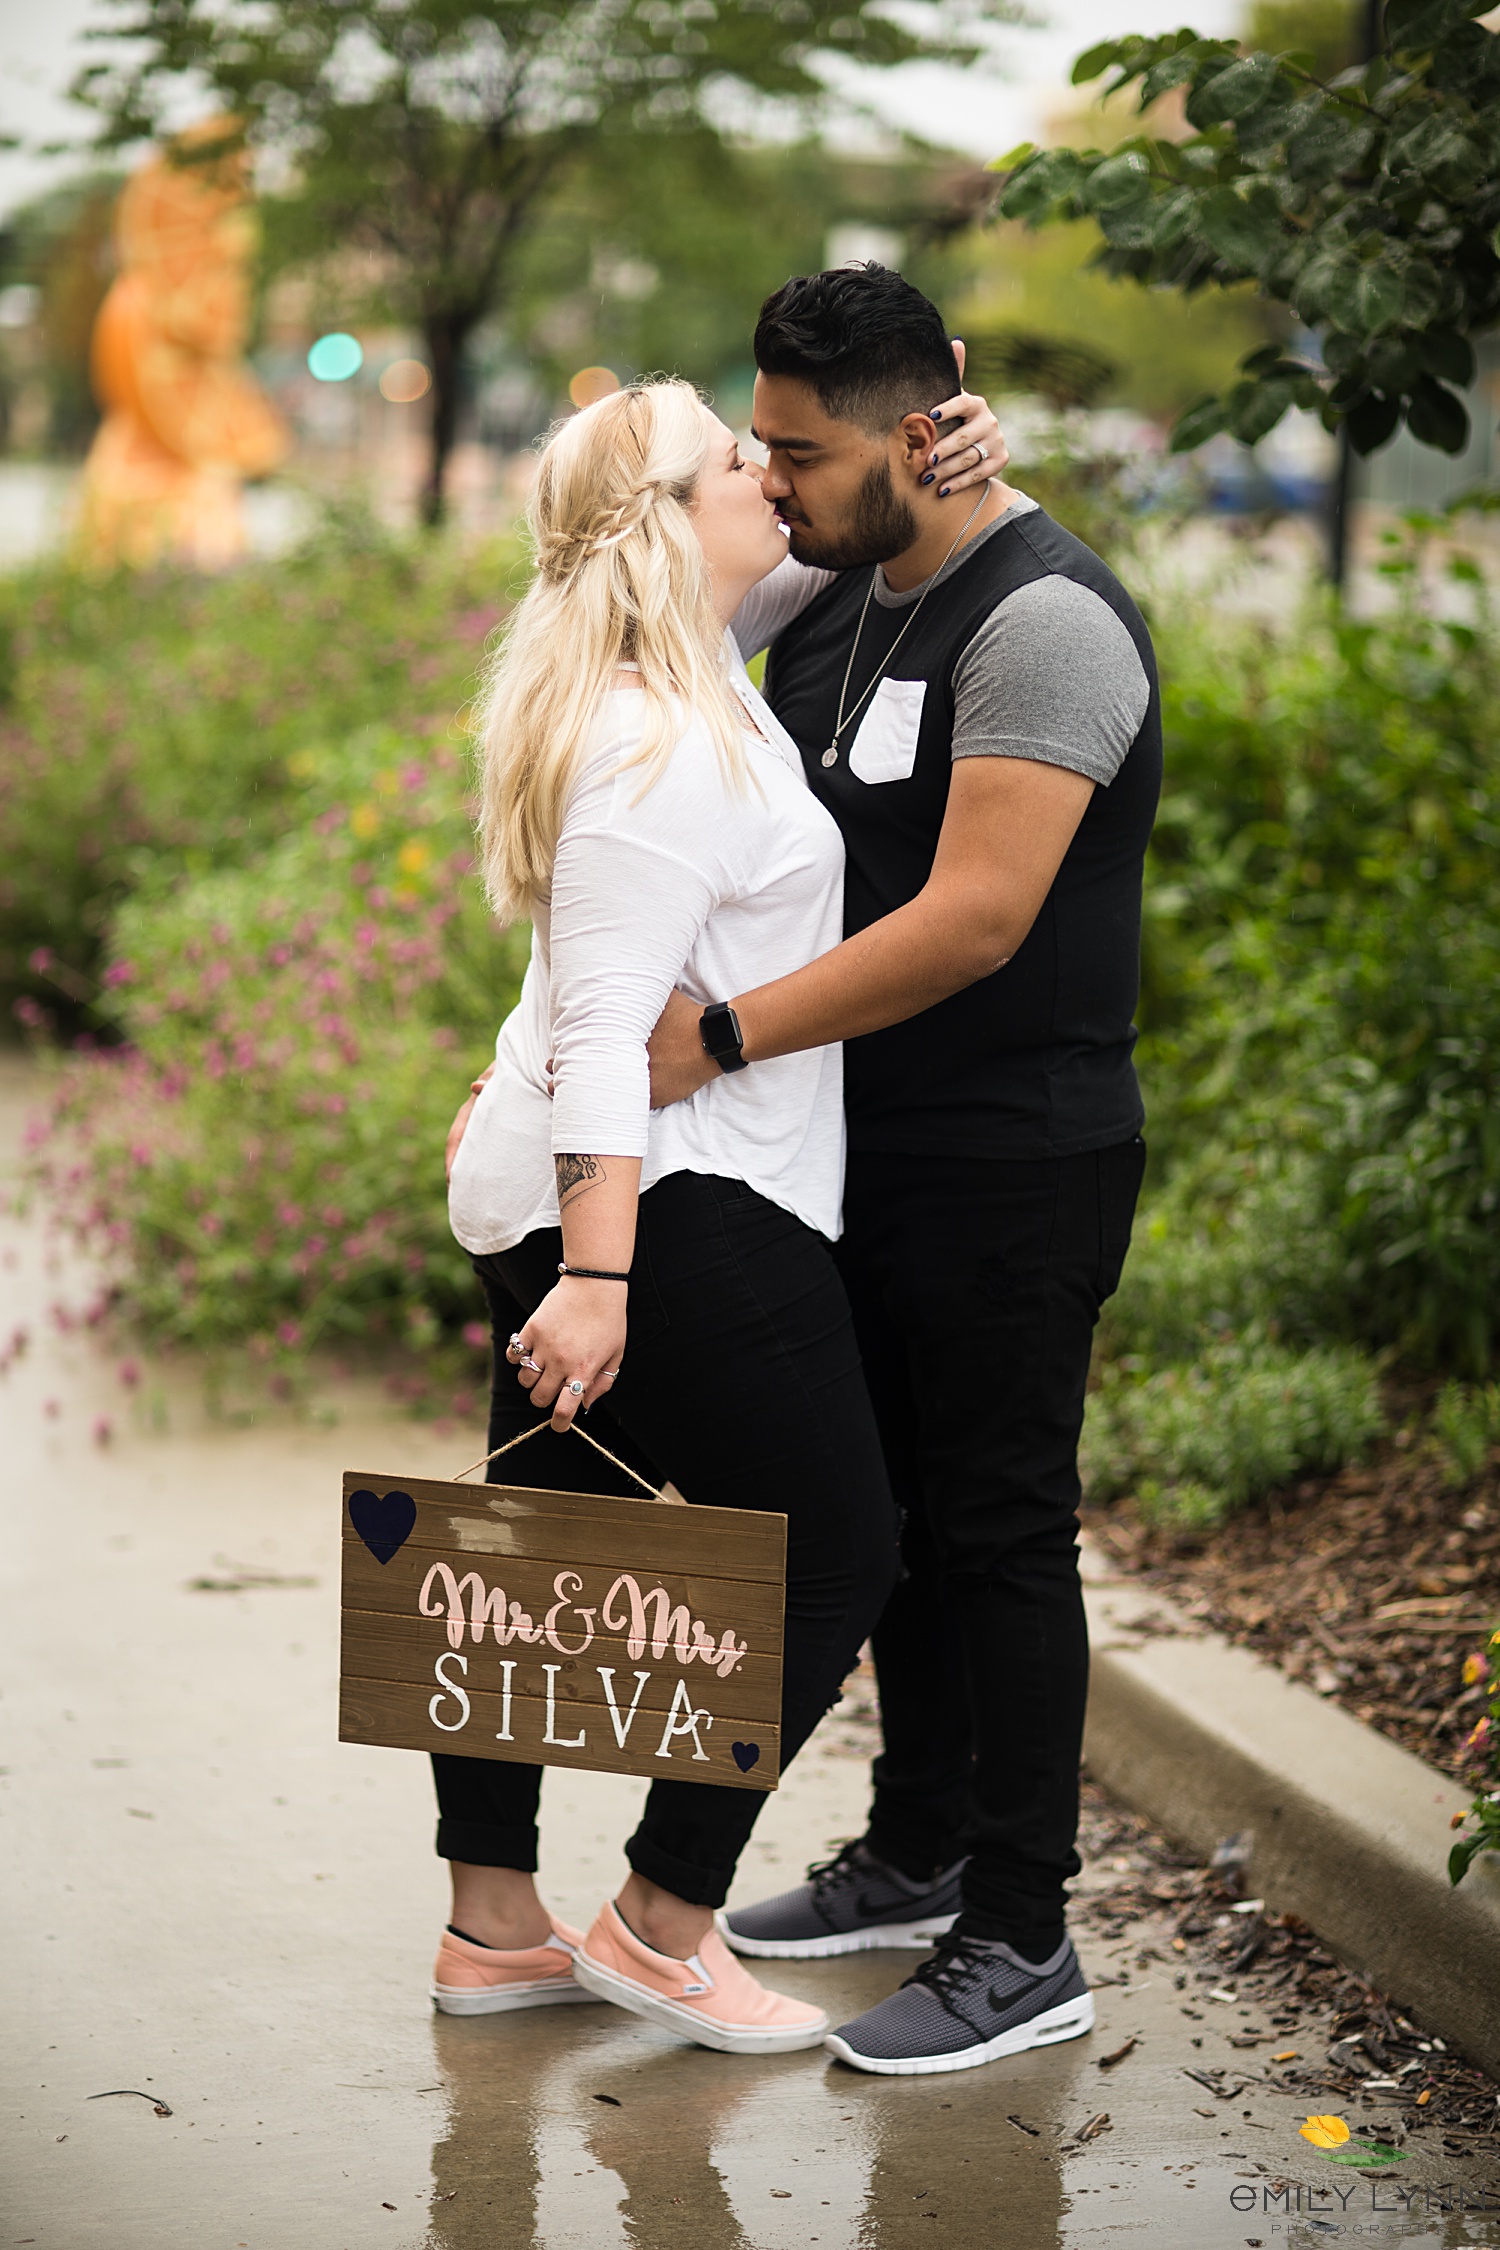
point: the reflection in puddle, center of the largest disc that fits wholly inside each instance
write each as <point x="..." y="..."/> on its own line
<point x="718" y="2152"/>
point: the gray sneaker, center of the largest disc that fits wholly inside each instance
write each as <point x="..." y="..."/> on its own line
<point x="851" y="1904"/>
<point x="975" y="2000"/>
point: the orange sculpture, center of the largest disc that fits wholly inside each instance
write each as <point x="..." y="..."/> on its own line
<point x="184" y="421"/>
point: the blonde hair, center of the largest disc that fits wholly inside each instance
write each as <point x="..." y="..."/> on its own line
<point x="620" y="578"/>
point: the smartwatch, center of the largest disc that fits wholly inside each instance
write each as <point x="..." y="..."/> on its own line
<point x="719" y="1029"/>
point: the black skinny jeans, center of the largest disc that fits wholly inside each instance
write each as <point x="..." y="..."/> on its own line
<point x="976" y="1286"/>
<point x="741" y="1383"/>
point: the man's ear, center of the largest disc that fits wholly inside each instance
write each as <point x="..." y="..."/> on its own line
<point x="916" y="435"/>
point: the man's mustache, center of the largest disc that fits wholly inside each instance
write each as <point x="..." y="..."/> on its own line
<point x="787" y="514"/>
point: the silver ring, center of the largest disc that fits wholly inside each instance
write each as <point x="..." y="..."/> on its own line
<point x="982" y="450"/>
<point x="576" y="1388"/>
<point x="608" y="1373"/>
<point x="534" y="1365"/>
<point x="514" y="1348"/>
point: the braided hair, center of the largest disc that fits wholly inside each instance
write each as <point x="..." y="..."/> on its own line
<point x="620" y="579"/>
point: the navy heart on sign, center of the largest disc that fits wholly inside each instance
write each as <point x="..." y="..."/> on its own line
<point x="384" y="1522"/>
<point x="745" y="1754"/>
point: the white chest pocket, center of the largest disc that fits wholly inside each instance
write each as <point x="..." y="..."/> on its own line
<point x="885" y="748"/>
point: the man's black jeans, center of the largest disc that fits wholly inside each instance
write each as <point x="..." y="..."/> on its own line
<point x="741" y="1382"/>
<point x="976" y="1286"/>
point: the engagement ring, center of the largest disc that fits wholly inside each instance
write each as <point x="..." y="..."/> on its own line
<point x="576" y="1389"/>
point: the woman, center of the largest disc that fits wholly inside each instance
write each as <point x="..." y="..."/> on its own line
<point x="642" y="804"/>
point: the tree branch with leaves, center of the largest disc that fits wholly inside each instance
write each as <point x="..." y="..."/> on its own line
<point x="1367" y="204"/>
<point x="432" y="132"/>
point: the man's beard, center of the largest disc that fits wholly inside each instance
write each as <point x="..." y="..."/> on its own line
<point x="881" y="526"/>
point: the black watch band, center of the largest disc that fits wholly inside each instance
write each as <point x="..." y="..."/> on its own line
<point x="719" y="1029"/>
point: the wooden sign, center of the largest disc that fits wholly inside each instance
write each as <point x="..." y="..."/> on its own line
<point x="563" y="1629"/>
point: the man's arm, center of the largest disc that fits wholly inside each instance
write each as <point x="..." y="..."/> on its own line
<point x="1008" y="824"/>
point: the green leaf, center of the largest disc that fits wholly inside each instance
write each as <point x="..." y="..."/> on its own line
<point x="1414" y="26"/>
<point x="1436" y="416"/>
<point x="1371" y="422"/>
<point x="1331" y="142"/>
<point x="1445" y="353"/>
<point x="1254" y="408"/>
<point x="1462" y="1857"/>
<point x="1013" y="158"/>
<point x="1365" y="2156"/>
<point x="1117" y="180"/>
<point x="1243" y="226"/>
<point x="1342" y="355"/>
<point x="1172" y="70"/>
<point x="1201" y="421"/>
<point x="1364" y="300"/>
<point x="1094" y="61"/>
<point x="1041" y="181"/>
<point x="1233" y="93"/>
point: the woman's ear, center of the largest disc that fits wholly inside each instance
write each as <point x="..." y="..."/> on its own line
<point x="959" y="354"/>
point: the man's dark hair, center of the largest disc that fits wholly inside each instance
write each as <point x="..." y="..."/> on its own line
<point x="868" y="345"/>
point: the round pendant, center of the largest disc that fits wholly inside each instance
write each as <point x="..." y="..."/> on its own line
<point x="830" y="756"/>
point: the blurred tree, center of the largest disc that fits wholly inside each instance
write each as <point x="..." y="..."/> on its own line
<point x="1367" y="205"/>
<point x="434" y="131"/>
<point x="660" y="255"/>
<point x="60" y="245"/>
<point x="1326" y="30"/>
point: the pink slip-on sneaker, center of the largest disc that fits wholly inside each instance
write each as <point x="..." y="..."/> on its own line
<point x="711" y="1997"/>
<point x="479" y="1980"/>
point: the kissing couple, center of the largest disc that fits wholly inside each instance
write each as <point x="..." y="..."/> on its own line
<point x="811" y="1148"/>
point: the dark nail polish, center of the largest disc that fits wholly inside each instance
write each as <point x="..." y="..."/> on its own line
<point x="943" y="492"/>
<point x="929" y="477"/>
<point x="932" y="460"/>
<point x="937" y="414"/>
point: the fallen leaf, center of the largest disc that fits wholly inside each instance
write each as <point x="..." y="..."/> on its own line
<point x="1325" y="2132"/>
<point x="1424" y="2097"/>
<point x="1288" y="2054"/>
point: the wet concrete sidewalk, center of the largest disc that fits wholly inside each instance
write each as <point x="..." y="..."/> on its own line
<point x="210" y="1900"/>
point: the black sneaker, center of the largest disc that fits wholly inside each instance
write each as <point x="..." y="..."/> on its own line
<point x="851" y="1904"/>
<point x="975" y="2000"/>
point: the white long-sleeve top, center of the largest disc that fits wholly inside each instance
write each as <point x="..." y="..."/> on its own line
<point x="690" y="884"/>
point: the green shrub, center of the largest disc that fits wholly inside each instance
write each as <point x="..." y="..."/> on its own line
<point x="262" y="1162"/>
<point x="1465" y="1429"/>
<point x="1194" y="1442"/>
<point x="150" y="719"/>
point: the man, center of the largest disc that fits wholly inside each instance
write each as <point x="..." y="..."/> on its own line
<point x="975" y="699"/>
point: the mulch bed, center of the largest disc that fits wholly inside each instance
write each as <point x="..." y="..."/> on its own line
<point x="1315" y="2027"/>
<point x="1371" y="1586"/>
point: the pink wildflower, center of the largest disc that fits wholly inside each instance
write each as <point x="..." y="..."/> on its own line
<point x="103" y="1430"/>
<point x="120" y="972"/>
<point x="1478" y="1735"/>
<point x="476" y="1335"/>
<point x="289" y="1333"/>
<point x="130" y="1373"/>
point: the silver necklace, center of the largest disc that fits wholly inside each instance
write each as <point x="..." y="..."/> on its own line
<point x="831" y="754"/>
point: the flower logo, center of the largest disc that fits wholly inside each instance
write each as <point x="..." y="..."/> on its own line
<point x="1331" y="2137"/>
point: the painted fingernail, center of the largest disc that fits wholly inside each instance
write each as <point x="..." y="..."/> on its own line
<point x="928" y="478"/>
<point x="943" y="491"/>
<point x="937" y="414"/>
<point x="932" y="460"/>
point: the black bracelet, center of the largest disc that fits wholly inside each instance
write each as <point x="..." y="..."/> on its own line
<point x="591" y="1273"/>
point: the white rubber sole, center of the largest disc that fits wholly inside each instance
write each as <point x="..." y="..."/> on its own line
<point x="881" y="1937"/>
<point x="1069" y="2021"/>
<point x="495" y="2000"/>
<point x="724" y="2038"/>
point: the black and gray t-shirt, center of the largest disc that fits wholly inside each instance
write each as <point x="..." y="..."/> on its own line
<point x="1026" y="646"/>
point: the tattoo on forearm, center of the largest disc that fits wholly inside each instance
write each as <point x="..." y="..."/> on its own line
<point x="576" y="1175"/>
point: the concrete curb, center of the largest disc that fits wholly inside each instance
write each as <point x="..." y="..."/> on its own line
<point x="1348" y="1831"/>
